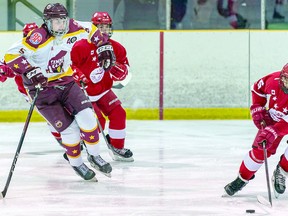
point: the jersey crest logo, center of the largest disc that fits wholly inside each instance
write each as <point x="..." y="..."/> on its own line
<point x="35" y="38"/>
<point x="56" y="63"/>
<point x="97" y="74"/>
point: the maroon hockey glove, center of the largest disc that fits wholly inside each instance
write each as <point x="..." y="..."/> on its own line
<point x="35" y="78"/>
<point x="267" y="136"/>
<point x="118" y="72"/>
<point x="106" y="56"/>
<point x="79" y="76"/>
<point x="260" y="116"/>
<point x="99" y="39"/>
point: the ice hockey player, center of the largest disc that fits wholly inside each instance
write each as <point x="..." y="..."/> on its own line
<point x="87" y="68"/>
<point x="272" y="124"/>
<point x="43" y="60"/>
<point x="28" y="27"/>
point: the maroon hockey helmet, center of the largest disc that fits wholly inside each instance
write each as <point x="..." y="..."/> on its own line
<point x="28" y="27"/>
<point x="99" y="18"/>
<point x="283" y="82"/>
<point x="56" y="11"/>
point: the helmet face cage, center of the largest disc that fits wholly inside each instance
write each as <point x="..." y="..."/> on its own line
<point x="28" y="27"/>
<point x="283" y="82"/>
<point x="103" y="21"/>
<point x="56" y="15"/>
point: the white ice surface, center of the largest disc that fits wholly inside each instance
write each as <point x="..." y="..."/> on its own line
<point x="180" y="168"/>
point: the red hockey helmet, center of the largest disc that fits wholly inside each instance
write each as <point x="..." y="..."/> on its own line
<point x="100" y="18"/>
<point x="58" y="13"/>
<point x="28" y="27"/>
<point x="283" y="82"/>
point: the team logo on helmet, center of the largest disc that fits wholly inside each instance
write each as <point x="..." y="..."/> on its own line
<point x="48" y="6"/>
<point x="35" y="38"/>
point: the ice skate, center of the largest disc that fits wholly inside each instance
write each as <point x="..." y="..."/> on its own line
<point x="119" y="154"/>
<point x="84" y="172"/>
<point x="101" y="165"/>
<point x="278" y="181"/>
<point x="235" y="186"/>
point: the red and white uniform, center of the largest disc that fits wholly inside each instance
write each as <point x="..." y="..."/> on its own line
<point x="266" y="91"/>
<point x="84" y="58"/>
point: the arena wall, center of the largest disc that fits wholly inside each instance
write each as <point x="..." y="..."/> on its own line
<point x="207" y="74"/>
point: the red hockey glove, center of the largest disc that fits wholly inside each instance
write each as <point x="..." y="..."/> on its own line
<point x="79" y="76"/>
<point x="118" y="72"/>
<point x="3" y="78"/>
<point x="6" y="71"/>
<point x="267" y="136"/>
<point x="106" y="56"/>
<point x="260" y="116"/>
<point x="35" y="78"/>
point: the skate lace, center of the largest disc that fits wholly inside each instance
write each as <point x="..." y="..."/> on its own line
<point x="121" y="151"/>
<point x="83" y="168"/>
<point x="99" y="160"/>
<point x="279" y="177"/>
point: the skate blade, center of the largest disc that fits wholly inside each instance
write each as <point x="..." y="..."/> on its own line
<point x="97" y="169"/>
<point x="94" y="179"/>
<point x="225" y="194"/>
<point x="106" y="174"/>
<point x="276" y="194"/>
<point x="119" y="158"/>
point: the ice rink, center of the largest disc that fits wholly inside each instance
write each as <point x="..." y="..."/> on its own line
<point x="180" y="168"/>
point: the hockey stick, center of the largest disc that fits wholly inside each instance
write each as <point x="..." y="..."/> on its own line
<point x="261" y="199"/>
<point x="3" y="193"/>
<point x="100" y="127"/>
<point x="267" y="172"/>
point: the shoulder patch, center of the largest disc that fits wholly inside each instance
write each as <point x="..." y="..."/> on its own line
<point x="35" y="38"/>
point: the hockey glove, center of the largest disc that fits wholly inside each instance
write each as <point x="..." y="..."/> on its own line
<point x="35" y="79"/>
<point x="118" y="72"/>
<point x="106" y="56"/>
<point x="79" y="76"/>
<point x="5" y="71"/>
<point x="267" y="136"/>
<point x="98" y="38"/>
<point x="260" y="116"/>
<point x="2" y="78"/>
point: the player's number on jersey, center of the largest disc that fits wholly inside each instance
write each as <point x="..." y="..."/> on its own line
<point x="260" y="84"/>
